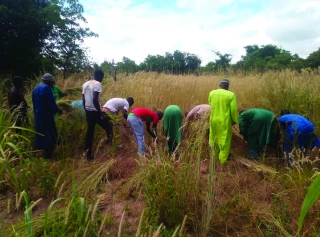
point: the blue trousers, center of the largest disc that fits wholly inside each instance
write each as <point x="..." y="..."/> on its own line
<point x="138" y="133"/>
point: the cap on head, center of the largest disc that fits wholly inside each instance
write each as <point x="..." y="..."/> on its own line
<point x="130" y="101"/>
<point x="224" y="84"/>
<point x="160" y="115"/>
<point x="98" y="75"/>
<point x="17" y="82"/>
<point x="47" y="77"/>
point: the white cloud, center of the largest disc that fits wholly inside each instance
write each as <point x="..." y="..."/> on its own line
<point x="134" y="31"/>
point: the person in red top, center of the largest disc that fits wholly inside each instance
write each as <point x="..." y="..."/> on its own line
<point x="135" y="119"/>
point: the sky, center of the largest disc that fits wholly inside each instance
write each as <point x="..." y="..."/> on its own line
<point x="136" y="28"/>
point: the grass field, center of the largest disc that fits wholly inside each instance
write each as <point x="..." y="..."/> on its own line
<point x="120" y="194"/>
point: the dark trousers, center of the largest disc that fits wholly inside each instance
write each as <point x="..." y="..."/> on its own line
<point x="93" y="118"/>
<point x="48" y="152"/>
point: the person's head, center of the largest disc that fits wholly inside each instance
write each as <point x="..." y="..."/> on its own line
<point x="98" y="75"/>
<point x="48" y="79"/>
<point x="284" y="112"/>
<point x="160" y="115"/>
<point x="224" y="84"/>
<point x="130" y="101"/>
<point x="186" y="113"/>
<point x="17" y="82"/>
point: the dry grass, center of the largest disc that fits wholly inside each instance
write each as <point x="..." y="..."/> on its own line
<point x="246" y="199"/>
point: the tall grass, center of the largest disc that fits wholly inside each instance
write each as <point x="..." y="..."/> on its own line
<point x="192" y="194"/>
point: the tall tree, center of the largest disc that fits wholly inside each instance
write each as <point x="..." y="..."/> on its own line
<point x="64" y="44"/>
<point x="23" y="31"/>
<point x="223" y="62"/>
<point x="313" y="60"/>
<point x="127" y="65"/>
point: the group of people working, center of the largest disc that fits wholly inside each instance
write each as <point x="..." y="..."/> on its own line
<point x="257" y="126"/>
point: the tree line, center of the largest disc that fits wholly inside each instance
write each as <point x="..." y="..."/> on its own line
<point x="48" y="35"/>
<point x="258" y="58"/>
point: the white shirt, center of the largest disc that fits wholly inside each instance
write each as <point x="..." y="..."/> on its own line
<point x="116" y="105"/>
<point x="87" y="90"/>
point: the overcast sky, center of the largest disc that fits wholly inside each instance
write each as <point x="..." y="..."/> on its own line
<point x="136" y="28"/>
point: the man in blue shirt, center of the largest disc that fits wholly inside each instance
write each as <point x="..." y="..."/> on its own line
<point x="44" y="108"/>
<point x="298" y="131"/>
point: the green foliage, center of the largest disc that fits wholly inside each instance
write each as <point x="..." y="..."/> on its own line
<point x="23" y="31"/>
<point x="311" y="197"/>
<point x="78" y="217"/>
<point x="313" y="60"/>
<point x="127" y="66"/>
<point x="220" y="64"/>
<point x="64" y="43"/>
<point x="38" y="34"/>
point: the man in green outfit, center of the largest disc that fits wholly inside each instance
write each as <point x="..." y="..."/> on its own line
<point x="57" y="93"/>
<point x="224" y="114"/>
<point x="172" y="121"/>
<point x="258" y="128"/>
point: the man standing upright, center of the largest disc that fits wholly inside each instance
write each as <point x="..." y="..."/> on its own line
<point x="224" y="113"/>
<point x="45" y="107"/>
<point x="94" y="115"/>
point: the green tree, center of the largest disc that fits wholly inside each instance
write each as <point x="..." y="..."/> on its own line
<point x="179" y="62"/>
<point x="193" y="62"/>
<point x="265" y="57"/>
<point x="64" y="44"/>
<point x="223" y="62"/>
<point x="127" y="65"/>
<point x="313" y="60"/>
<point x="23" y="31"/>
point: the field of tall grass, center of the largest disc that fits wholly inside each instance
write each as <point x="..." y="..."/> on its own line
<point x="120" y="194"/>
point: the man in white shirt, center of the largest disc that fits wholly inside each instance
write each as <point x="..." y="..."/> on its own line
<point x="94" y="115"/>
<point x="112" y="108"/>
<point x="115" y="105"/>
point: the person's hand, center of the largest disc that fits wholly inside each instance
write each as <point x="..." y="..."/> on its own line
<point x="155" y="141"/>
<point x="103" y="115"/>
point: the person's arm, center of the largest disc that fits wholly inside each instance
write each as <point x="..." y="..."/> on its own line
<point x="154" y="128"/>
<point x="125" y="113"/>
<point x="21" y="98"/>
<point x="83" y="102"/>
<point x="234" y="110"/>
<point x="96" y="102"/>
<point x="243" y="125"/>
<point x="51" y="103"/>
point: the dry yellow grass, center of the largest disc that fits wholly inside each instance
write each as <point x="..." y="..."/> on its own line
<point x="298" y="92"/>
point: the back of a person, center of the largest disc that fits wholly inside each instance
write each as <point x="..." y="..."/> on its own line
<point x="297" y="123"/>
<point x="143" y="113"/>
<point x="220" y="100"/>
<point x="172" y="113"/>
<point x="14" y="98"/>
<point x="262" y="114"/>
<point x="262" y="118"/>
<point x="116" y="104"/>
<point x="87" y="90"/>
<point x="38" y="99"/>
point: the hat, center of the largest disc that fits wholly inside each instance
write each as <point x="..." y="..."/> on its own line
<point x="225" y="80"/>
<point x="47" y="77"/>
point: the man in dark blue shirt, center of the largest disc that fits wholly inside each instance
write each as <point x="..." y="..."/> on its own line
<point x="45" y="107"/>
